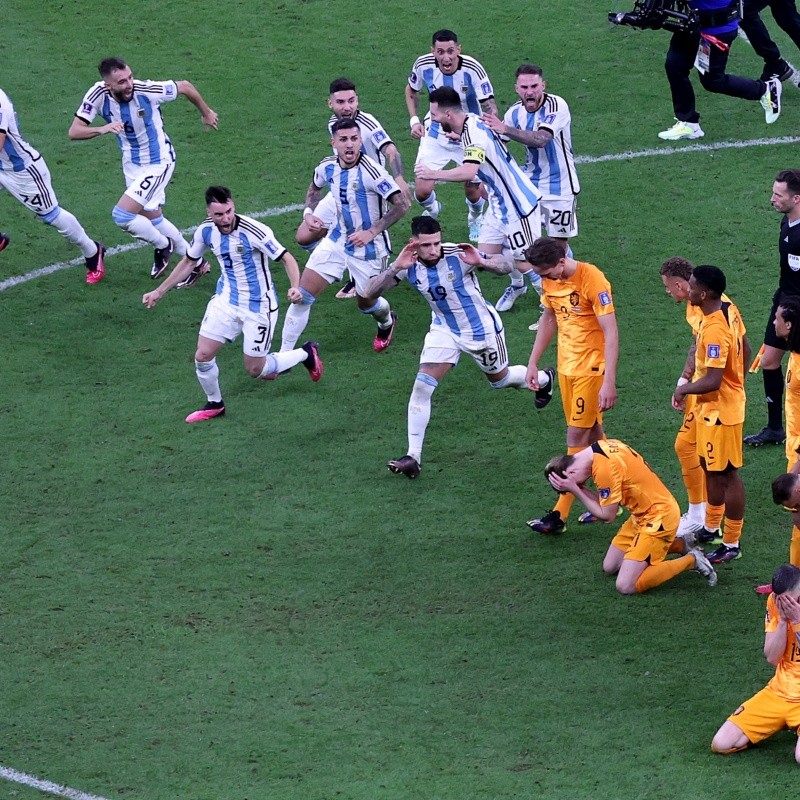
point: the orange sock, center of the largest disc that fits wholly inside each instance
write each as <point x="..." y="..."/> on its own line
<point x="794" y="546"/>
<point x="656" y="574"/>
<point x="694" y="479"/>
<point x="714" y="516"/>
<point x="564" y="504"/>
<point x="733" y="531"/>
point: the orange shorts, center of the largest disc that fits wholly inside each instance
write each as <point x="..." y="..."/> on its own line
<point x="720" y="446"/>
<point x="766" y="713"/>
<point x="649" y="542"/>
<point x="580" y="397"/>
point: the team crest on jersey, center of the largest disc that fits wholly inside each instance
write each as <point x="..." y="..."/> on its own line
<point x="713" y="351"/>
<point x="605" y="298"/>
<point x="574" y="299"/>
<point x="384" y="187"/>
<point x="604" y="494"/>
<point x="140" y="112"/>
<point x="239" y="249"/>
<point x="451" y="276"/>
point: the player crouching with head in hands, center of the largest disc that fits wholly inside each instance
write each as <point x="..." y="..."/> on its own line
<point x="637" y="554"/>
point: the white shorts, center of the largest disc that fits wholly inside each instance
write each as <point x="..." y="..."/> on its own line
<point x="437" y="154"/>
<point x="442" y="347"/>
<point x="326" y="211"/>
<point x="329" y="261"/>
<point x="223" y="322"/>
<point x="32" y="187"/>
<point x="558" y="217"/>
<point x="517" y="235"/>
<point x="148" y="185"/>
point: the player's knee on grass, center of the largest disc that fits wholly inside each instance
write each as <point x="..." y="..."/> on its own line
<point x="730" y="739"/>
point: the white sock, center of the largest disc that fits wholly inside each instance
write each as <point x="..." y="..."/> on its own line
<point x="516" y="377"/>
<point x="517" y="281"/>
<point x="173" y="234"/>
<point x="280" y="362"/>
<point x="476" y="208"/>
<point x="429" y="202"/>
<point x="294" y="323"/>
<point x="419" y="413"/>
<point x="381" y="312"/>
<point x="208" y="376"/>
<point x="142" y="228"/>
<point x="69" y="227"/>
<point x="697" y="512"/>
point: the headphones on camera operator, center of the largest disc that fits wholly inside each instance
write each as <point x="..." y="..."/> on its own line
<point x="675" y="15"/>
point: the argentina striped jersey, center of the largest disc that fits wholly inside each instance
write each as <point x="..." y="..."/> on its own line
<point x="512" y="195"/>
<point x="470" y="80"/>
<point x="16" y="154"/>
<point x="360" y="194"/>
<point x="243" y="255"/>
<point x="552" y="167"/>
<point x="144" y="140"/>
<point x="452" y="290"/>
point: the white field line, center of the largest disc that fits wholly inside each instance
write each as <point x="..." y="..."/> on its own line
<point x="45" y="786"/>
<point x="9" y="283"/>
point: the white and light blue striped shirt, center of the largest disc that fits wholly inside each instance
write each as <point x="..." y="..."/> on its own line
<point x="512" y="194"/>
<point x="552" y="167"/>
<point x="373" y="135"/>
<point x="452" y="290"/>
<point x="243" y="255"/>
<point x="144" y="140"/>
<point x="470" y="80"/>
<point x="361" y="193"/>
<point x="16" y="154"/>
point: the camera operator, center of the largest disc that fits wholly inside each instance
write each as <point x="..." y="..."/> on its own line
<point x="785" y="14"/>
<point x="707" y="49"/>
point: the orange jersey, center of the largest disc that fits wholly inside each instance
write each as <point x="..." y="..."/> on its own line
<point x="577" y="303"/>
<point x="694" y="314"/>
<point x="791" y="405"/>
<point x="720" y="346"/>
<point x="622" y="476"/>
<point x="786" y="681"/>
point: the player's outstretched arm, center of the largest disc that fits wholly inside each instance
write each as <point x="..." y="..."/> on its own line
<point x="182" y="270"/>
<point x="208" y="115"/>
<point x="499" y="263"/>
<point x="80" y="129"/>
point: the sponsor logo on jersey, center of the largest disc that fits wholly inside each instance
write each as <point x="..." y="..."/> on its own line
<point x="384" y="187"/>
<point x="605" y="298"/>
<point x="87" y="107"/>
<point x="713" y="351"/>
<point x="379" y="136"/>
<point x="604" y="494"/>
<point x="169" y="91"/>
<point x="271" y="247"/>
<point x="486" y="88"/>
<point x="549" y="119"/>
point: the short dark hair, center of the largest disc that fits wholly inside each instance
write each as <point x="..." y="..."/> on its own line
<point x="710" y="278"/>
<point x="790" y="310"/>
<point x="342" y="85"/>
<point x="677" y="267"/>
<point x="782" y="488"/>
<point x="559" y="465"/>
<point x="785" y="578"/>
<point x="528" y="69"/>
<point x="445" y="97"/>
<point x="791" y="177"/>
<point x="425" y="225"/>
<point x="108" y="65"/>
<point x="444" y="35"/>
<point x="218" y="194"/>
<point x="545" y="252"/>
<point x="342" y="125"/>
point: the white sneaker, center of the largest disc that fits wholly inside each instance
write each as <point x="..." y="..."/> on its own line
<point x="434" y="212"/>
<point x="474" y="225"/>
<point x="688" y="524"/>
<point x="682" y="130"/>
<point x="509" y="297"/>
<point x="771" y="100"/>
<point x="704" y="566"/>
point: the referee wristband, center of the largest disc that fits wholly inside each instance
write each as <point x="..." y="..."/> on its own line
<point x="414" y="121"/>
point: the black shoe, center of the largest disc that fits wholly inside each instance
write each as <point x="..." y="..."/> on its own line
<point x="551" y="523"/>
<point x="4" y="240"/>
<point x="544" y="395"/>
<point x="705" y="536"/>
<point x="724" y="553"/>
<point x="161" y="257"/>
<point x="783" y="73"/>
<point x="191" y="279"/>
<point x="313" y="363"/>
<point x="766" y="436"/>
<point x="406" y="465"/>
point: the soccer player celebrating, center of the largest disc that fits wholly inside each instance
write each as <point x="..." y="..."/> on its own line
<point x="245" y="301"/>
<point x="637" y="554"/>
<point x="777" y="705"/>
<point x="578" y="306"/>
<point x="131" y="109"/>
<point x="358" y="242"/>
<point x="542" y="122"/>
<point x="463" y="322"/>
<point x="24" y="174"/>
<point x="445" y="66"/>
<point x="721" y="352"/>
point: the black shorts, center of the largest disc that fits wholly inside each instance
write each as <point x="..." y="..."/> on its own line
<point x="771" y="339"/>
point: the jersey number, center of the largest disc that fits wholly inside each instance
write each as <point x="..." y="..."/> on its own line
<point x="437" y="293"/>
<point x="36" y="200"/>
<point x="563" y="218"/>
